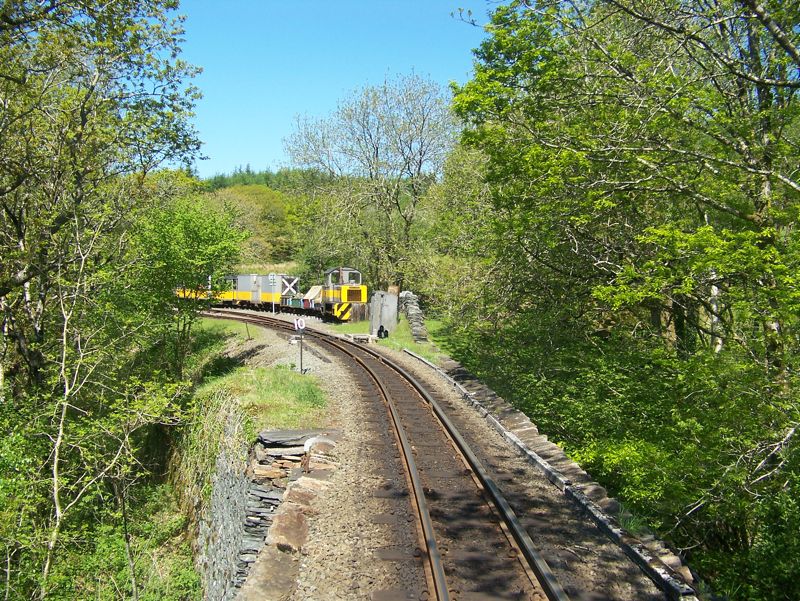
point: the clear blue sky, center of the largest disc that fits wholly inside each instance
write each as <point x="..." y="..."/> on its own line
<point x="265" y="61"/>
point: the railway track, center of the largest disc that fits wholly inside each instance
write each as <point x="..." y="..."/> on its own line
<point x="470" y="541"/>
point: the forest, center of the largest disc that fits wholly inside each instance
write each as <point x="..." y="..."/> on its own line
<point x="602" y="219"/>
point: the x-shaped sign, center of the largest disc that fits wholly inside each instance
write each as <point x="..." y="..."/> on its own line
<point x="289" y="286"/>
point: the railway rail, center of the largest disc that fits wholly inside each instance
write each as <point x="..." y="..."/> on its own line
<point x="471" y="542"/>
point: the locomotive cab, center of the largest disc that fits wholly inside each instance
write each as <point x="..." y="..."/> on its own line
<point x="339" y="276"/>
<point x="342" y="288"/>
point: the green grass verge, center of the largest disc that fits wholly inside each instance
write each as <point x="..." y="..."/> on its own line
<point x="225" y="329"/>
<point x="272" y="397"/>
<point x="400" y="338"/>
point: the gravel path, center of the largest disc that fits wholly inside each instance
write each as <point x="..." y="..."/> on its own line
<point x="339" y="558"/>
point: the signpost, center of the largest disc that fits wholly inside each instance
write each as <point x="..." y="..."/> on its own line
<point x="300" y="328"/>
<point x="272" y="280"/>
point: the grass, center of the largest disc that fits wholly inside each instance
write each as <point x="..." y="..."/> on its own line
<point x="225" y="328"/>
<point x="632" y="522"/>
<point x="273" y="397"/>
<point x="399" y="339"/>
<point x="270" y="397"/>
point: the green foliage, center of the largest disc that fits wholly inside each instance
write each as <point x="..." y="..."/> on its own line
<point x="97" y="566"/>
<point x="186" y="250"/>
<point x="272" y="219"/>
<point x="93" y="101"/>
<point x="638" y="297"/>
<point x="383" y="148"/>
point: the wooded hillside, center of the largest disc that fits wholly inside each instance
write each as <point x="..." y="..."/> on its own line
<point x="603" y="219"/>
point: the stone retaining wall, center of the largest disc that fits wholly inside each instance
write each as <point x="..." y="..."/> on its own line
<point x="409" y="304"/>
<point x="221" y="526"/>
<point x="248" y="488"/>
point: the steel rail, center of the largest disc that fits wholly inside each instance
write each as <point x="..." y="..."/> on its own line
<point x="434" y="556"/>
<point x="547" y="580"/>
<point x="434" y="559"/>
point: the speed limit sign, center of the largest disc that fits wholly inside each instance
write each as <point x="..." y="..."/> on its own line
<point x="299" y="324"/>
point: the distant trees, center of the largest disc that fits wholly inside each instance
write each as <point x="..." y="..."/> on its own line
<point x="270" y="217"/>
<point x="384" y="145"/>
<point x="282" y="180"/>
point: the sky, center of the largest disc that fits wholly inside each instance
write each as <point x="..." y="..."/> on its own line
<point x="266" y="61"/>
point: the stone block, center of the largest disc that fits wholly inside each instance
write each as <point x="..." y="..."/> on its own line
<point x="264" y="472"/>
<point x="288" y="438"/>
<point x="289" y="528"/>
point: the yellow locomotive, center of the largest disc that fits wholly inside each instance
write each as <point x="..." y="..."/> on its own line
<point x="342" y="295"/>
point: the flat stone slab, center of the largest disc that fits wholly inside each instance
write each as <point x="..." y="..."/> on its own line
<point x="281" y="451"/>
<point x="268" y="472"/>
<point x="303" y="493"/>
<point x="289" y="438"/>
<point x="272" y="577"/>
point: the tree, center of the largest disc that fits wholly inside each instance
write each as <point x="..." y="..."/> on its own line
<point x="642" y="159"/>
<point x="90" y="93"/>
<point x="268" y="215"/>
<point x="184" y="246"/>
<point x="93" y="99"/>
<point x="384" y="146"/>
<point x="454" y="236"/>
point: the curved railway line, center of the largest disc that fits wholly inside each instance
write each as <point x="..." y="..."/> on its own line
<point x="471" y="544"/>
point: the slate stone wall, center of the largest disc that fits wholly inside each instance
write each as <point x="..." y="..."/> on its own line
<point x="248" y="487"/>
<point x="409" y="304"/>
<point x="222" y="526"/>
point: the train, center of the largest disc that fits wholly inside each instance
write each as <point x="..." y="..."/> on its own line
<point x="341" y="296"/>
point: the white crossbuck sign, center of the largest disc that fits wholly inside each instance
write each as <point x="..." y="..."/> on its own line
<point x="289" y="285"/>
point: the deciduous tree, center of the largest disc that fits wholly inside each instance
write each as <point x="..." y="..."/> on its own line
<point x="93" y="97"/>
<point x="642" y="160"/>
<point x="384" y="145"/>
